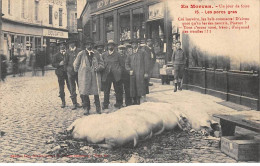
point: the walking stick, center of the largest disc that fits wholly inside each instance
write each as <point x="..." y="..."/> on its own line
<point x="98" y="92"/>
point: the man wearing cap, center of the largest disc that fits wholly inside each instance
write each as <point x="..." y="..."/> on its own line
<point x="72" y="75"/>
<point x="125" y="74"/>
<point x="179" y="60"/>
<point x="138" y="66"/>
<point x="112" y="74"/>
<point x="58" y="63"/>
<point x="88" y="64"/>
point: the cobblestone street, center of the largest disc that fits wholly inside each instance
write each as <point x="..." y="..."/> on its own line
<point x="30" y="113"/>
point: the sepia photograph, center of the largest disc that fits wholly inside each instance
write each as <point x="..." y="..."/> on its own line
<point x="130" y="81"/>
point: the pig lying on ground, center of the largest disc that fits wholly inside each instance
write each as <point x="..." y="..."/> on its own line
<point x="134" y="123"/>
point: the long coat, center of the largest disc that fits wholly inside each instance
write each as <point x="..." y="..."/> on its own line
<point x="88" y="84"/>
<point x="112" y="64"/>
<point x="139" y="63"/>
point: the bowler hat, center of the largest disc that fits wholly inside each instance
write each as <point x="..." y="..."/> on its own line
<point x="149" y="40"/>
<point x="59" y="42"/>
<point x="128" y="45"/>
<point x="88" y="40"/>
<point x="121" y="46"/>
<point x="135" y="41"/>
<point x="99" y="43"/>
<point x="111" y="42"/>
<point x="72" y="41"/>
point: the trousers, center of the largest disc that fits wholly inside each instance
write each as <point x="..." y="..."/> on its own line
<point x="118" y="89"/>
<point x="61" y="80"/>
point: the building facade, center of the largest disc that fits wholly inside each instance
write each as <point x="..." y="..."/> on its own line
<point x="123" y="20"/>
<point x="33" y="24"/>
<point x="72" y="19"/>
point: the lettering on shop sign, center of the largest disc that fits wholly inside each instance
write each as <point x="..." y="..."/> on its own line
<point x="56" y="2"/>
<point x="102" y="3"/>
<point x="54" y="33"/>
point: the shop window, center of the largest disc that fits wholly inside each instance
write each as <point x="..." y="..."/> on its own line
<point x="109" y="28"/>
<point x="138" y="23"/>
<point x="50" y="14"/>
<point x="37" y="43"/>
<point x="60" y="17"/>
<point x="124" y="19"/>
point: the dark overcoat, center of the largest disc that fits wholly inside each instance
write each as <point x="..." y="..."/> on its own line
<point x="60" y="70"/>
<point x="112" y="64"/>
<point x="138" y="63"/>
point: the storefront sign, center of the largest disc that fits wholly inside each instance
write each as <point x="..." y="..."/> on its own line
<point x="103" y="3"/>
<point x="57" y="2"/>
<point x="156" y="11"/>
<point x="53" y="40"/>
<point x="55" y="33"/>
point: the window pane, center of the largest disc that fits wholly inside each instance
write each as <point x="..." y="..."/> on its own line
<point x="109" y="28"/>
<point x="50" y="14"/>
<point x="125" y="33"/>
<point x="138" y="23"/>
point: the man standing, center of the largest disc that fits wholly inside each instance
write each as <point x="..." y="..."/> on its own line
<point x="41" y="58"/>
<point x="58" y="63"/>
<point x="100" y="49"/>
<point x="112" y="74"/>
<point x="88" y="64"/>
<point x="179" y="60"/>
<point x="125" y="75"/>
<point x="72" y="75"/>
<point x="33" y="62"/>
<point x="138" y="66"/>
<point x="152" y="57"/>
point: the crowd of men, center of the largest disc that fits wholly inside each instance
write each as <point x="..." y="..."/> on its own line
<point x="94" y="69"/>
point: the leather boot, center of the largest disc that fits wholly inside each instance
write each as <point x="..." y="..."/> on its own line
<point x="63" y="102"/>
<point x="175" y="87"/>
<point x="74" y="101"/>
<point x="179" y="86"/>
<point x="97" y="103"/>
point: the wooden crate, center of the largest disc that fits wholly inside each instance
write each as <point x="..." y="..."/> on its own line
<point x="240" y="148"/>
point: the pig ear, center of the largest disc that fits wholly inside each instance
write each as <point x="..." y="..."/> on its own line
<point x="135" y="141"/>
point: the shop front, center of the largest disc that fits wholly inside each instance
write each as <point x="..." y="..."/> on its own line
<point x="123" y="20"/>
<point x="20" y="39"/>
<point x="50" y="39"/>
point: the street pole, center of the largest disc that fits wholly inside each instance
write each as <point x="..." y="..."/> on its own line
<point x="1" y="44"/>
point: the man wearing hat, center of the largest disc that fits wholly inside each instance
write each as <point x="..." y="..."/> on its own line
<point x="88" y="64"/>
<point x="112" y="74"/>
<point x="138" y="66"/>
<point x="72" y="75"/>
<point x="100" y="47"/>
<point x="58" y="63"/>
<point x="125" y="75"/>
